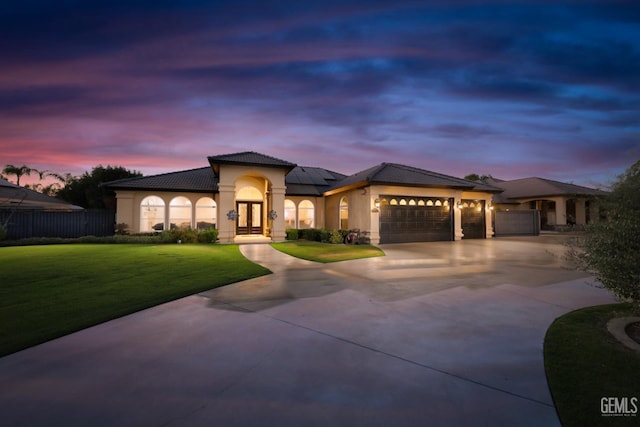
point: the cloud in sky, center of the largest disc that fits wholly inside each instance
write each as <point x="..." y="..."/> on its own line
<point x="508" y="88"/>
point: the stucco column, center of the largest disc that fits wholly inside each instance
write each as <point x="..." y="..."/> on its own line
<point x="374" y="220"/>
<point x="457" y="217"/>
<point x="581" y="212"/>
<point x="488" y="219"/>
<point x="561" y="211"/>
<point x="226" y="227"/>
<point x="278" y="232"/>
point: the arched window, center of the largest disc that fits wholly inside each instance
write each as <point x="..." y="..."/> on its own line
<point x="306" y="214"/>
<point x="290" y="214"/>
<point x="206" y="213"/>
<point x="344" y="214"/>
<point x="180" y="212"/>
<point x="151" y="214"/>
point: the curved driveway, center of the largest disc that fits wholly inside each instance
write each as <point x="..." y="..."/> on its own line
<point x="439" y="334"/>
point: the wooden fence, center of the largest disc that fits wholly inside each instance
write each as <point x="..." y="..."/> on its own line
<point x="21" y="224"/>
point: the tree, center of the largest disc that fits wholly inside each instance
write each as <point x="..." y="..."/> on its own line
<point x="18" y="171"/>
<point x="610" y="248"/>
<point x="476" y="177"/>
<point x="86" y="191"/>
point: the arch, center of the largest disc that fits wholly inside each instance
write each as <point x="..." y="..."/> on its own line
<point x="249" y="193"/>
<point x="180" y="212"/>
<point x="206" y="213"/>
<point x="306" y="214"/>
<point x="412" y="202"/>
<point x="152" y="214"/>
<point x="344" y="214"/>
<point x="290" y="214"/>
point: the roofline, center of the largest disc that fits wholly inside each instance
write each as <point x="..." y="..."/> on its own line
<point x="362" y="184"/>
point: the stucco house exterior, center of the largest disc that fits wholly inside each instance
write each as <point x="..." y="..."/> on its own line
<point x="559" y="204"/>
<point x="252" y="194"/>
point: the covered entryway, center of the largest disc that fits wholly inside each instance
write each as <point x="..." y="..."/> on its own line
<point x="249" y="218"/>
<point x="473" y="219"/>
<point x="415" y="219"/>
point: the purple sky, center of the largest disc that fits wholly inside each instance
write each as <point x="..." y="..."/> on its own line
<point x="512" y="89"/>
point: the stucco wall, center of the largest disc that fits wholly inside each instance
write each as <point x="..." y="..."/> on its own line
<point x="319" y="208"/>
<point x="128" y="205"/>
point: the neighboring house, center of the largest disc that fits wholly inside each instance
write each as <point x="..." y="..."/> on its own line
<point x="251" y="194"/>
<point x="559" y="204"/>
<point x="15" y="197"/>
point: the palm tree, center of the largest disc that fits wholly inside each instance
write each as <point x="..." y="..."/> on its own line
<point x="18" y="171"/>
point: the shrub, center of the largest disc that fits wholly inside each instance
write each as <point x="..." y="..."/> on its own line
<point x="610" y="247"/>
<point x="325" y="235"/>
<point x="292" y="234"/>
<point x="182" y="235"/>
<point x="209" y="235"/>
<point x="311" y="234"/>
<point x="336" y="237"/>
<point x="122" y="228"/>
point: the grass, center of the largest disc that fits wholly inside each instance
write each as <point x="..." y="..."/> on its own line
<point x="326" y="252"/>
<point x="585" y="363"/>
<point x="50" y="291"/>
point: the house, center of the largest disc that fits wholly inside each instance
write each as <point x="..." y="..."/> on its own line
<point x="252" y="194"/>
<point x="14" y="197"/>
<point x="559" y="204"/>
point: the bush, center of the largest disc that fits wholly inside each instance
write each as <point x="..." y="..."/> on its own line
<point x="209" y="235"/>
<point x="122" y="228"/>
<point x="336" y="237"/>
<point x="182" y="235"/>
<point x="325" y="235"/>
<point x="311" y="234"/>
<point x="610" y="247"/>
<point x="292" y="234"/>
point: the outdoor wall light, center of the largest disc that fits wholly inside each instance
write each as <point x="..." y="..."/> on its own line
<point x="376" y="206"/>
<point x="273" y="215"/>
<point x="232" y="215"/>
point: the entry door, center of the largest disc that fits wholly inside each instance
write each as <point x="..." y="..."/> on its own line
<point x="249" y="218"/>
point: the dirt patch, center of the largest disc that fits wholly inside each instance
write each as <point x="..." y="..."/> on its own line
<point x="633" y="330"/>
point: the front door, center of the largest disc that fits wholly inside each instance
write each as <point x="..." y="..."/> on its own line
<point x="249" y="218"/>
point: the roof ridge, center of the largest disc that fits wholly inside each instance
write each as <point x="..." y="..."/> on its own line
<point x="134" y="178"/>
<point x="244" y="153"/>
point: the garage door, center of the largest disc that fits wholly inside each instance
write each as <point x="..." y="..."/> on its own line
<point x="473" y="219"/>
<point x="411" y="219"/>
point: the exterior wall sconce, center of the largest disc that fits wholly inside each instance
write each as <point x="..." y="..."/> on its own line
<point x="232" y="215"/>
<point x="273" y="215"/>
<point x="376" y="206"/>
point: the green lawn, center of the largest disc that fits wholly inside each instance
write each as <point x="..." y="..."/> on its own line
<point x="326" y="252"/>
<point x="50" y="291"/>
<point x="585" y="363"/>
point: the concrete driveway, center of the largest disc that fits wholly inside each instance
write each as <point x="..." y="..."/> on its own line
<point x="439" y="334"/>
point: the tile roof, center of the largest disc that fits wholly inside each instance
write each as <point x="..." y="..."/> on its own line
<point x="396" y="174"/>
<point x="17" y="197"/>
<point x="540" y="187"/>
<point x="201" y="180"/>
<point x="250" y="158"/>
<point x="310" y="181"/>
